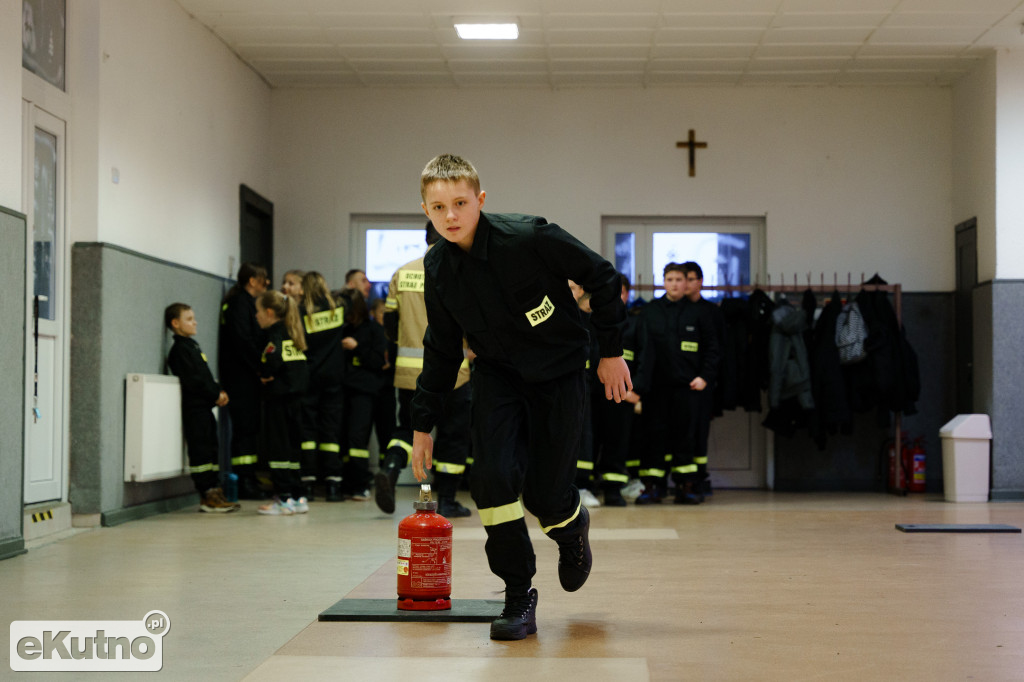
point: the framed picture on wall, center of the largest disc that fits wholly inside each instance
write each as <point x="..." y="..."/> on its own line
<point x="42" y="39"/>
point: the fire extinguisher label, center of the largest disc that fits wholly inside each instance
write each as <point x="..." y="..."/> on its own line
<point x="431" y="563"/>
<point x="403" y="567"/>
<point x="404" y="547"/>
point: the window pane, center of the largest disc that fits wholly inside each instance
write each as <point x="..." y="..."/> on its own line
<point x="388" y="250"/>
<point x="723" y="256"/>
<point x="44" y="227"/>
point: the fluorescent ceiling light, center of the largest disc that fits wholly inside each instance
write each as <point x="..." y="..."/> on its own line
<point x="479" y="31"/>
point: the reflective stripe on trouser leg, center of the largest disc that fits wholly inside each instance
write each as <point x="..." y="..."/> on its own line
<point x="200" y="430"/>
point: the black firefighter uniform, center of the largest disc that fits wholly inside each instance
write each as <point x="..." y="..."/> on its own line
<point x="510" y="298"/>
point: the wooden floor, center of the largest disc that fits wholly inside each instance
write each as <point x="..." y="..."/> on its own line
<point x="749" y="586"/>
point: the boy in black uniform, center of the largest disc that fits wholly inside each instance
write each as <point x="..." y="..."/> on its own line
<point x="500" y="280"/>
<point x="238" y="355"/>
<point x="199" y="394"/>
<point x="705" y="404"/>
<point x="677" y="369"/>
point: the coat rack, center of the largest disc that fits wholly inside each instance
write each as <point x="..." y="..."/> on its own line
<point x="851" y="286"/>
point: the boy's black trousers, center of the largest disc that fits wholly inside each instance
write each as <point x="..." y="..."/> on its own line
<point x="525" y="441"/>
<point x="200" y="429"/>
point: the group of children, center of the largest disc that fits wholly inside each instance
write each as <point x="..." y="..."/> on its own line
<point x="305" y="378"/>
<point x="657" y="436"/>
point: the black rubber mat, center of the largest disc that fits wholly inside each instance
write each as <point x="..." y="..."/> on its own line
<point x="956" y="528"/>
<point x="377" y="610"/>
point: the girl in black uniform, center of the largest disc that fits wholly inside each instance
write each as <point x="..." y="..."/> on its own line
<point x="323" y="320"/>
<point x="365" y="346"/>
<point x="284" y="375"/>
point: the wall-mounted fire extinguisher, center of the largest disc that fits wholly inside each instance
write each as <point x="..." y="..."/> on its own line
<point x="424" y="558"/>
<point x="914" y="463"/>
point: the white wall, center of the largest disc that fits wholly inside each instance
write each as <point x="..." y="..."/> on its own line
<point x="185" y="123"/>
<point x="10" y="104"/>
<point x="851" y="180"/>
<point x="974" y="159"/>
<point x="1010" y="165"/>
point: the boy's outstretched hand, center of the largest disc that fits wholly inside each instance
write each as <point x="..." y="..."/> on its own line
<point x="422" y="456"/>
<point x="614" y="374"/>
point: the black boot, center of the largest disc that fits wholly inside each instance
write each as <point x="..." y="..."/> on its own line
<point x="384" y="488"/>
<point x="686" y="494"/>
<point x="613" y="498"/>
<point x="450" y="508"/>
<point x="519" y="617"/>
<point x="574" y="556"/>
<point x="333" y="491"/>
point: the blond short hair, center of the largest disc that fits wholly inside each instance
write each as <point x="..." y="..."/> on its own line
<point x="450" y="168"/>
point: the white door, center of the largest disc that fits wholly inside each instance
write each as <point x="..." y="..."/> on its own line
<point x="729" y="251"/>
<point x="45" y="464"/>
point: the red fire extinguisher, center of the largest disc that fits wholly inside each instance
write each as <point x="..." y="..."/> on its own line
<point x="424" y="558"/>
<point x="915" y="465"/>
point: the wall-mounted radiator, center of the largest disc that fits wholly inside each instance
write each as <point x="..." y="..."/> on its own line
<point x="153" y="448"/>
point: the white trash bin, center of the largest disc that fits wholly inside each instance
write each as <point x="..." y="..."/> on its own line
<point x="966" y="441"/>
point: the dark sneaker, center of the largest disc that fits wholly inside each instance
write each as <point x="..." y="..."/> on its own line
<point x="649" y="497"/>
<point x="450" y="508"/>
<point x="614" y="498"/>
<point x="384" y="489"/>
<point x="519" y="617"/>
<point x="333" y="492"/>
<point x="683" y="497"/>
<point x="574" y="556"/>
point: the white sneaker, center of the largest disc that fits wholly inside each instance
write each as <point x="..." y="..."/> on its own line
<point x="300" y="505"/>
<point x="278" y="508"/>
<point x="633" y="489"/>
<point x="588" y="500"/>
<point x="362" y="496"/>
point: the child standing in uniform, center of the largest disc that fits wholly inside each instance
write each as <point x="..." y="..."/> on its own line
<point x="284" y="375"/>
<point x="199" y="394"/>
<point x="366" y="346"/>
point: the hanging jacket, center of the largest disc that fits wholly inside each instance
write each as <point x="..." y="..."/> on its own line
<point x="790" y="369"/>
<point x="828" y="382"/>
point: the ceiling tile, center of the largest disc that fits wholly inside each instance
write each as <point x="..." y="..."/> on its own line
<point x="698" y="36"/>
<point x="594" y="37"/>
<point x="808" y="50"/>
<point x="816" y="35"/>
<point x="524" y="66"/>
<point x="703" y="51"/>
<point x="964" y="35"/>
<point x="607" y="22"/>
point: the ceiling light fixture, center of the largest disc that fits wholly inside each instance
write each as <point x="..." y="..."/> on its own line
<point x="487" y="31"/>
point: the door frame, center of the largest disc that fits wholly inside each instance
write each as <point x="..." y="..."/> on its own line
<point x="35" y="116"/>
<point x="761" y="448"/>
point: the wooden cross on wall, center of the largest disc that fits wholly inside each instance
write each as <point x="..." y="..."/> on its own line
<point x="693" y="146"/>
